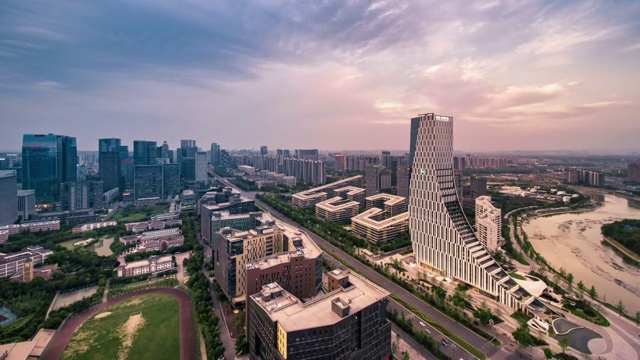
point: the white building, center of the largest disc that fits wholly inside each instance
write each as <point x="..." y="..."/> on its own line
<point x="443" y="241"/>
<point x="152" y="265"/>
<point x="488" y="223"/>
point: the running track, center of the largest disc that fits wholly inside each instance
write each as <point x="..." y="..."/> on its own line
<point x="187" y="329"/>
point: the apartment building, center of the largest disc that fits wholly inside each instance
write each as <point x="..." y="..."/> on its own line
<point x="488" y="223"/>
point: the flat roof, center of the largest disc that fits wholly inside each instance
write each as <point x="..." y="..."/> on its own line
<point x="317" y="191"/>
<point x="351" y="190"/>
<point x="294" y="315"/>
<point x="337" y="203"/>
<point x="389" y="199"/>
<point x="18" y="351"/>
<point x="366" y="219"/>
<point x="43" y="337"/>
<point x="145" y="262"/>
<point x="309" y="249"/>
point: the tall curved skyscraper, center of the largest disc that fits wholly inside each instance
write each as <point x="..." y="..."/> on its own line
<point x="442" y="239"/>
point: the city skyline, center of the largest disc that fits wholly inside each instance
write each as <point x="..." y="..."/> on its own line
<point x="301" y="76"/>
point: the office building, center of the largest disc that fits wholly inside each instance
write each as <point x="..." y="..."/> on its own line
<point x="233" y="249"/>
<point x="47" y="162"/>
<point x="155" y="264"/>
<point x="298" y="269"/>
<point x="241" y="222"/>
<point x="8" y="197"/>
<point x="404" y="174"/>
<point x="12" y="265"/>
<point x="458" y="182"/>
<point x="349" y="322"/>
<point x="148" y="182"/>
<point x="633" y="172"/>
<point x="234" y="204"/>
<point x="145" y="152"/>
<point x="337" y="209"/>
<point x="163" y="153"/>
<point x="33" y="226"/>
<point x="392" y="204"/>
<point x="171" y="180"/>
<point x="202" y="167"/>
<point x="264" y="150"/>
<point x="309" y="198"/>
<point x="215" y="154"/>
<point x="79" y="195"/>
<point x="187" y="144"/>
<point x="477" y="186"/>
<point x="488" y="223"/>
<point x="306" y="154"/>
<point x="26" y="204"/>
<point x="127" y="168"/>
<point x="379" y="226"/>
<point x="109" y="162"/>
<point x="442" y="239"/>
<point x="340" y="162"/>
<point x="372" y="179"/>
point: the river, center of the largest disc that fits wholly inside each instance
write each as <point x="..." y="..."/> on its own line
<point x="574" y="242"/>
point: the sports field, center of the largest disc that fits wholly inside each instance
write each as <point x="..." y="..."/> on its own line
<point x="144" y="327"/>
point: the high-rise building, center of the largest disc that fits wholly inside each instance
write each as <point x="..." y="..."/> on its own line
<point x="307" y="154"/>
<point x="109" y="163"/>
<point x="340" y="162"/>
<point x="264" y="150"/>
<point x="47" y="162"/>
<point x="144" y="152"/>
<point x="127" y="167"/>
<point x="148" y="181"/>
<point x="26" y="204"/>
<point x="215" y="154"/>
<point x="442" y="239"/>
<point x="170" y="179"/>
<point x="385" y="159"/>
<point x="187" y="144"/>
<point x="8" y="197"/>
<point x="202" y="167"/>
<point x="404" y="174"/>
<point x="349" y="322"/>
<point x="585" y="177"/>
<point x="633" y="172"/>
<point x="79" y="195"/>
<point x="372" y="179"/>
<point x="488" y="223"/>
<point x="163" y="152"/>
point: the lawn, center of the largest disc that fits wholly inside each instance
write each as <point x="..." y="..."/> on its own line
<point x="516" y="276"/>
<point x="140" y="213"/>
<point x="144" y="327"/>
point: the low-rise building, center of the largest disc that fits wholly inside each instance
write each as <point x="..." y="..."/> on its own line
<point x="35" y="226"/>
<point x="13" y="265"/>
<point x="309" y="198"/>
<point x="92" y="226"/>
<point x="392" y="204"/>
<point x="349" y="322"/>
<point x="154" y="264"/>
<point x="337" y="209"/>
<point x="379" y="226"/>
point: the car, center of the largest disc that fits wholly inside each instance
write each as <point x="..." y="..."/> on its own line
<point x="422" y="324"/>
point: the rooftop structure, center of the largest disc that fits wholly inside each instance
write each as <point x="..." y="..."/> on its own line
<point x="350" y="319"/>
<point x="308" y="198"/>
<point x="393" y="204"/>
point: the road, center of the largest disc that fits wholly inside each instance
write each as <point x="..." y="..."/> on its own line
<point x="187" y="329"/>
<point x="467" y="335"/>
<point x="225" y="337"/>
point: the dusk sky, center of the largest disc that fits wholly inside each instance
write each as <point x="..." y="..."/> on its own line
<point x="515" y="75"/>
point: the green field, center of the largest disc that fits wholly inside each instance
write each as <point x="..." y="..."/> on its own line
<point x="140" y="213"/>
<point x="145" y="327"/>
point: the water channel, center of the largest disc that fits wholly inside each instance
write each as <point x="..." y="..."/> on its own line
<point x="574" y="242"/>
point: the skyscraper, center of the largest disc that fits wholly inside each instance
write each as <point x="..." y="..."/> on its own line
<point x="215" y="154"/>
<point x="79" y="195"/>
<point x="170" y="179"/>
<point x="144" y="152"/>
<point x="442" y="239"/>
<point x="372" y="179"/>
<point x="187" y="144"/>
<point x="109" y="162"/>
<point x="148" y="182"/>
<point x="488" y="223"/>
<point x="264" y="150"/>
<point x="201" y="167"/>
<point x="47" y="162"/>
<point x="8" y="197"/>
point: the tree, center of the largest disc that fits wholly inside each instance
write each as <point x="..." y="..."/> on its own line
<point x="593" y="293"/>
<point x="620" y="307"/>
<point x="581" y="286"/>
<point x="406" y="356"/>
<point x="548" y="354"/>
<point x="396" y="344"/>
<point x="564" y="344"/>
<point x="523" y="336"/>
<point x="637" y="318"/>
<point x="570" y="281"/>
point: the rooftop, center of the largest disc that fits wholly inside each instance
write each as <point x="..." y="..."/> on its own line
<point x="308" y="249"/>
<point x="389" y="199"/>
<point x="293" y="315"/>
<point x="370" y="218"/>
<point x="337" y="203"/>
<point x="318" y="191"/>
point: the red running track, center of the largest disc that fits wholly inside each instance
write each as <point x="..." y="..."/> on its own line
<point x="187" y="330"/>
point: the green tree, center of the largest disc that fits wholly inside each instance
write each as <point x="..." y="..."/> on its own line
<point x="593" y="293"/>
<point x="637" y="318"/>
<point x="523" y="336"/>
<point x="621" y="308"/>
<point x="570" y="281"/>
<point x="548" y="354"/>
<point x="406" y="356"/>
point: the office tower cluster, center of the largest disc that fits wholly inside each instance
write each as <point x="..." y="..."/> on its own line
<point x="585" y="177"/>
<point x="442" y="239"/>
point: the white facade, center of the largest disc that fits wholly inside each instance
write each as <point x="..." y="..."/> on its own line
<point x="488" y="223"/>
<point x="442" y="239"/>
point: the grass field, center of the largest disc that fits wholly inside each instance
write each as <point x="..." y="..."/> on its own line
<point x="145" y="327"/>
<point x="141" y="213"/>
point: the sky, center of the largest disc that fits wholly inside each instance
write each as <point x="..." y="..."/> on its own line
<point x="333" y="74"/>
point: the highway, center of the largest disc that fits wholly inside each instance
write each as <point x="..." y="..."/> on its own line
<point x="333" y="252"/>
